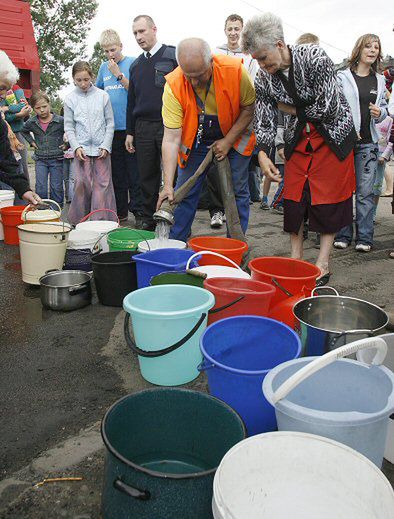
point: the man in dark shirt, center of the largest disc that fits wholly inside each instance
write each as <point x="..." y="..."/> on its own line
<point x="144" y="125"/>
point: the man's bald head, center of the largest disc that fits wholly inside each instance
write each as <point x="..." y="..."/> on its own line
<point x="195" y="59"/>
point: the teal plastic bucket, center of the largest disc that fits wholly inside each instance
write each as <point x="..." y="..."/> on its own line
<point x="167" y="321"/>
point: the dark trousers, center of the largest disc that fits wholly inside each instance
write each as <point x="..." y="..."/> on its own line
<point x="125" y="177"/>
<point x="148" y="138"/>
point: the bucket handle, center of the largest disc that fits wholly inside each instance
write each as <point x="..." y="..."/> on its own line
<point x="320" y="362"/>
<point x="325" y="288"/>
<point x="137" y="493"/>
<point x="224" y="307"/>
<point x="31" y="207"/>
<point x="99" y="211"/>
<point x="281" y="287"/>
<point x="205" y="252"/>
<point x="159" y="353"/>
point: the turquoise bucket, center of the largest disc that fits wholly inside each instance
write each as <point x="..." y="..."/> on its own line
<point x="167" y="321"/>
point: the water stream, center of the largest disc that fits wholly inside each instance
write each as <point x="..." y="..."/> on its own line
<point x="162" y="231"/>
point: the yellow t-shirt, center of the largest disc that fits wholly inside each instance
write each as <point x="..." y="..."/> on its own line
<point x="172" y="111"/>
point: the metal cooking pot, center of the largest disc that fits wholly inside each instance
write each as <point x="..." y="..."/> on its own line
<point x="66" y="290"/>
<point x="329" y="321"/>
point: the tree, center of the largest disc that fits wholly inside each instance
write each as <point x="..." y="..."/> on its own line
<point x="97" y="58"/>
<point x="61" y="28"/>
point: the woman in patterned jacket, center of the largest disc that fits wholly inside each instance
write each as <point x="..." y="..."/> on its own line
<point x="319" y="139"/>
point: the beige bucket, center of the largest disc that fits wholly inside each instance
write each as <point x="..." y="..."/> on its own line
<point x="42" y="248"/>
<point x="30" y="215"/>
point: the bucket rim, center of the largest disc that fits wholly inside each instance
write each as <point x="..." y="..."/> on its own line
<point x="58" y="272"/>
<point x="237" y="371"/>
<point x="111" y="264"/>
<point x="278" y="276"/>
<point x="326" y="417"/>
<point x="56" y="227"/>
<point x="169" y="314"/>
<point x="269" y="289"/>
<point x="154" y="473"/>
<point x="243" y="246"/>
<point x="12" y="209"/>
<point x="337" y="298"/>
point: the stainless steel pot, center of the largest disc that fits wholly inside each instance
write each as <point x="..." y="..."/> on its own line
<point x="330" y="321"/>
<point x="66" y="290"/>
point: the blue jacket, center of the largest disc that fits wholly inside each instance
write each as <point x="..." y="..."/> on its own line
<point x="48" y="142"/>
<point x="350" y="90"/>
<point x="89" y="120"/>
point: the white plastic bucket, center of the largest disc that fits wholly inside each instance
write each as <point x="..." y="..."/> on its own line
<point x="100" y="226"/>
<point x="81" y="246"/>
<point x="7" y="198"/>
<point x="83" y="239"/>
<point x="303" y="476"/>
<point x="42" y="248"/>
<point x="145" y="246"/>
<point x="218" y="271"/>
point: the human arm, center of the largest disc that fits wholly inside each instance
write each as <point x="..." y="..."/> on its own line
<point x="130" y="119"/>
<point x="169" y="151"/>
<point x="26" y="132"/>
<point x="113" y="67"/>
<point x="106" y="145"/>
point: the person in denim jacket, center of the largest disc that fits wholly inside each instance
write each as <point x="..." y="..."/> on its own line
<point x="44" y="132"/>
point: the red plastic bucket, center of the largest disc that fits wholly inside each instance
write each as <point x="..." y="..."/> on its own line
<point x="238" y="297"/>
<point x="293" y="279"/>
<point x="229" y="247"/>
<point x="11" y="217"/>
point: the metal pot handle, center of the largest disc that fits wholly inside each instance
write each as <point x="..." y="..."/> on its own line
<point x="320" y="362"/>
<point x="137" y="493"/>
<point x="205" y="252"/>
<point x="158" y="353"/>
<point x="325" y="288"/>
<point x="335" y="339"/>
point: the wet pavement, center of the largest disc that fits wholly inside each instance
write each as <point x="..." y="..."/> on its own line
<point x="60" y="371"/>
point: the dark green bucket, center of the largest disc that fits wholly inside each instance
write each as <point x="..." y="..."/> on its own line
<point x="127" y="239"/>
<point x="163" y="448"/>
<point x="177" y="278"/>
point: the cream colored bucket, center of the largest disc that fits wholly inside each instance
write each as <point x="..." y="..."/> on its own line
<point x="42" y="248"/>
<point x="30" y="215"/>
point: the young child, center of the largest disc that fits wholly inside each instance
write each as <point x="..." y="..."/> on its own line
<point x="89" y="125"/>
<point x="47" y="129"/>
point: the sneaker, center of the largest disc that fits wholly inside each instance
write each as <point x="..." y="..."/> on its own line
<point x="362" y="247"/>
<point x="223" y="217"/>
<point x="216" y="220"/>
<point x="264" y="205"/>
<point x="341" y="245"/>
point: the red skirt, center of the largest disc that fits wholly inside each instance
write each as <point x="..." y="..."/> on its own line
<point x="330" y="179"/>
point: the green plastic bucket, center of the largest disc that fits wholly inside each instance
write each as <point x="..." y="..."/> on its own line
<point x="167" y="322"/>
<point x="127" y="239"/>
<point x="177" y="278"/>
<point x="163" y="448"/>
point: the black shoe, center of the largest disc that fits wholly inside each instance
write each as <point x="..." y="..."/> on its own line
<point x="138" y="222"/>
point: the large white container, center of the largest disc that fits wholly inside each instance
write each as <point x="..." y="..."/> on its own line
<point x="7" y="198"/>
<point x="100" y="226"/>
<point x="145" y="246"/>
<point x="42" y="248"/>
<point x="284" y="475"/>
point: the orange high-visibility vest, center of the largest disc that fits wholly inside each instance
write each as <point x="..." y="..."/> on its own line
<point x="227" y="72"/>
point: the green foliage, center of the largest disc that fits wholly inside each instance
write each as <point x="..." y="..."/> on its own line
<point x="97" y="58"/>
<point x="61" y="28"/>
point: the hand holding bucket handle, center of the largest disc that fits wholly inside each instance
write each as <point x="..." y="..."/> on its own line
<point x="137" y="493"/>
<point x="31" y="207"/>
<point x="99" y="211"/>
<point x="320" y="362"/>
<point x="159" y="353"/>
<point x="205" y="252"/>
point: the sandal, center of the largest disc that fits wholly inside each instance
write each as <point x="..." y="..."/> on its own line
<point x="323" y="280"/>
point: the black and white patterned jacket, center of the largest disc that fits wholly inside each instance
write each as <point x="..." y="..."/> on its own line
<point x="313" y="88"/>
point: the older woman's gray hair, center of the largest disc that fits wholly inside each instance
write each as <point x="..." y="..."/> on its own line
<point x="8" y="72"/>
<point x="192" y="47"/>
<point x="261" y="32"/>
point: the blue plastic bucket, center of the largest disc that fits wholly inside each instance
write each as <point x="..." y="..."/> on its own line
<point x="155" y="262"/>
<point x="238" y="353"/>
<point x="345" y="400"/>
<point x="167" y="321"/>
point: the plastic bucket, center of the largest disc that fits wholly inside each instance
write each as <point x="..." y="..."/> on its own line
<point x="127" y="239"/>
<point x="168" y="321"/>
<point x="101" y="226"/>
<point x="154" y="262"/>
<point x="238" y="353"/>
<point x="177" y="278"/>
<point x="228" y="247"/>
<point x="81" y="246"/>
<point x="294" y="475"/>
<point x="163" y="449"/>
<point x="217" y="271"/>
<point x="42" y="248"/>
<point x="7" y="198"/>
<point x="154" y="244"/>
<point x="345" y="400"/>
<point x="115" y="276"/>
<point x="11" y="218"/>
<point x="238" y="297"/>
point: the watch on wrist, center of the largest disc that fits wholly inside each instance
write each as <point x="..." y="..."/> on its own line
<point x="120" y="77"/>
